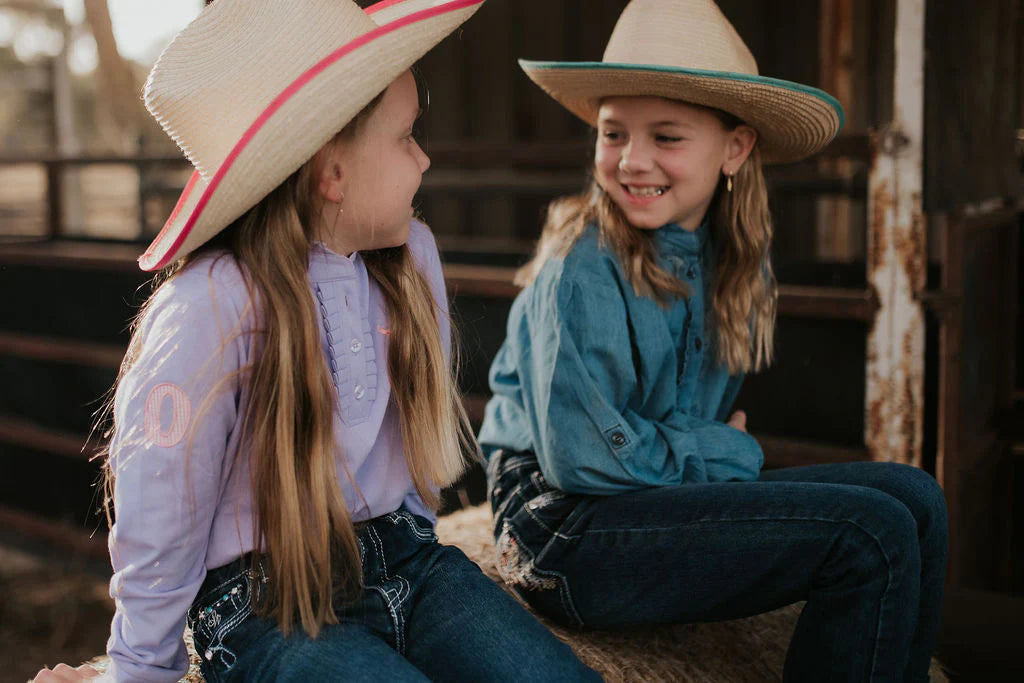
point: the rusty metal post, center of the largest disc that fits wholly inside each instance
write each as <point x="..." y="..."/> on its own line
<point x="896" y="255"/>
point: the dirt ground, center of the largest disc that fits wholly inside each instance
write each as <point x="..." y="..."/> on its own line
<point x="50" y="611"/>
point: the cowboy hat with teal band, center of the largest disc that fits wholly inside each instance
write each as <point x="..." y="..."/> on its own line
<point x="687" y="50"/>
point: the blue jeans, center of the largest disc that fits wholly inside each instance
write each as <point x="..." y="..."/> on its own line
<point x="863" y="543"/>
<point x="427" y="613"/>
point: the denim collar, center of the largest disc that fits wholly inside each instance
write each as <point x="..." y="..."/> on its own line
<point x="673" y="240"/>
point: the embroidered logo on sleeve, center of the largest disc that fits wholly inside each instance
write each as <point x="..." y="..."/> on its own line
<point x="180" y="413"/>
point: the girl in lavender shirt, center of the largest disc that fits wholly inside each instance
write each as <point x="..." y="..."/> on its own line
<point x="286" y="413"/>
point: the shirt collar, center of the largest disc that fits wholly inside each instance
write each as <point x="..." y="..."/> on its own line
<point x="674" y="240"/>
<point x="325" y="264"/>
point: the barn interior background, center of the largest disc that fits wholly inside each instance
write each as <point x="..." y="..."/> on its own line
<point x="898" y="252"/>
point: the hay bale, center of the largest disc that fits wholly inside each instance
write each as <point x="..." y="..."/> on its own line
<point x="742" y="651"/>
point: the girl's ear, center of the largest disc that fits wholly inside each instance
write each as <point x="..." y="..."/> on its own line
<point x="741" y="143"/>
<point x="330" y="176"/>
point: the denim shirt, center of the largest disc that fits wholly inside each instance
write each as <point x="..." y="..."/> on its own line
<point x="612" y="391"/>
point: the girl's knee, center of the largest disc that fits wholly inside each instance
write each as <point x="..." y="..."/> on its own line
<point x="882" y="539"/>
<point x="922" y="495"/>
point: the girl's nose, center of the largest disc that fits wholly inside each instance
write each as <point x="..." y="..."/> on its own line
<point x="634" y="159"/>
<point x="422" y="158"/>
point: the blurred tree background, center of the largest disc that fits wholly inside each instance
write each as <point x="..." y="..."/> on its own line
<point x="66" y="87"/>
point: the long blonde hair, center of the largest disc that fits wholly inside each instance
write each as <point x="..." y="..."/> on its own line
<point x="744" y="290"/>
<point x="302" y="520"/>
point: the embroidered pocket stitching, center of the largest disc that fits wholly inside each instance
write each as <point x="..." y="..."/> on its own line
<point x="564" y="592"/>
<point x="392" y="600"/>
<point x="420" y="533"/>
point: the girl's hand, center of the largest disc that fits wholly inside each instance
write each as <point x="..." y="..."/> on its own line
<point x="63" y="672"/>
<point x="738" y="421"/>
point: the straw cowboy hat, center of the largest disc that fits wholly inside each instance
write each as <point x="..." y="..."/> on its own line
<point x="251" y="89"/>
<point x="687" y="50"/>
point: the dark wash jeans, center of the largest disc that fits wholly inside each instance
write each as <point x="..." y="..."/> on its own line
<point x="427" y="613"/>
<point x="863" y="543"/>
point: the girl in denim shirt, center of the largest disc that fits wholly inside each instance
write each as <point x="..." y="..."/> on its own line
<point x="623" y="490"/>
<point x="286" y="413"/>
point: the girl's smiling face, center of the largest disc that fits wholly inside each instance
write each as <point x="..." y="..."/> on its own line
<point x="660" y="160"/>
<point x="373" y="175"/>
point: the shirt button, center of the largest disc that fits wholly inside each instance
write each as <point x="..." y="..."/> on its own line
<point x="618" y="439"/>
<point x="356" y="346"/>
<point x="691" y="272"/>
<point x="698" y="344"/>
<point x="359" y="391"/>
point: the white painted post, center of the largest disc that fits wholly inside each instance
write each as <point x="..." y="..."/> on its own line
<point x="897" y="256"/>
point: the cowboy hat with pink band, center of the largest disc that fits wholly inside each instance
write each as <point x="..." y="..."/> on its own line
<point x="251" y="90"/>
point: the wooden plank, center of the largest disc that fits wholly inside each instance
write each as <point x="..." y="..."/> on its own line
<point x="975" y="385"/>
<point x="49" y="158"/>
<point x="974" y="102"/>
<point x="782" y="452"/>
<point x="832" y="303"/>
<point x="74" y="254"/>
<point x="501" y="183"/>
<point x="53" y="349"/>
<point x="446" y="91"/>
<point x="527" y="153"/>
<point x="484" y="281"/>
<point x="490" y="108"/>
<point x="14" y="430"/>
<point x="70" y="540"/>
<point x="447" y="146"/>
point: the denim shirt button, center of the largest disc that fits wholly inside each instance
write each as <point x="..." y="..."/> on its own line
<point x="698" y="344"/>
<point x="355" y="346"/>
<point x="691" y="272"/>
<point x="618" y="439"/>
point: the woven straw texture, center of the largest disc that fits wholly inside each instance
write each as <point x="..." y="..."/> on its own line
<point x="692" y="53"/>
<point x="251" y="90"/>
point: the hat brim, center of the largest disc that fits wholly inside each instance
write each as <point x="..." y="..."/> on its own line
<point x="793" y="121"/>
<point x="303" y="117"/>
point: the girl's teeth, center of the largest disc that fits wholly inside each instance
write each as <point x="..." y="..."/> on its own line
<point x="646" y="191"/>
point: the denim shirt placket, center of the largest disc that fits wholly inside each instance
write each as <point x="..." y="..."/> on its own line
<point x="689" y="267"/>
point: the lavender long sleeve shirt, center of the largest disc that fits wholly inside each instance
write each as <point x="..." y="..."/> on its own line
<point x="182" y="493"/>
